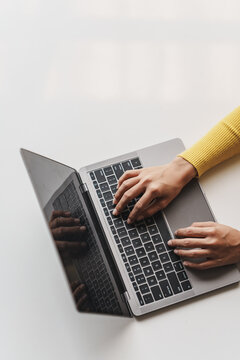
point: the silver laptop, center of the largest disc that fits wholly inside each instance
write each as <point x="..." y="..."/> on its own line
<point x="113" y="267"/>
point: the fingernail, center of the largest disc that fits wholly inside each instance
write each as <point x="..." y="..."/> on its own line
<point x="185" y="263"/>
<point x="115" y="212"/>
<point x="77" y="221"/>
<point x="129" y="221"/>
<point x="170" y="242"/>
<point x="176" y="251"/>
<point x="114" y="201"/>
<point x="67" y="213"/>
<point x="176" y="232"/>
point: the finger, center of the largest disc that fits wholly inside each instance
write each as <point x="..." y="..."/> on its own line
<point x="63" y="232"/>
<point x="203" y="224"/>
<point x="78" y="290"/>
<point x="62" y="221"/>
<point x="158" y="205"/>
<point x="193" y="232"/>
<point x="127" y="197"/>
<point x="195" y="253"/>
<point x="57" y="213"/>
<point x="128" y="174"/>
<point x="71" y="248"/>
<point x="189" y="243"/>
<point x="81" y="301"/>
<point x="126" y="185"/>
<point x="201" y="266"/>
<point x="75" y="284"/>
<point x="140" y="205"/>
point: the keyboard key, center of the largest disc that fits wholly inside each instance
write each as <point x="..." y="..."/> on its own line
<point x="122" y="232"/>
<point x="156" y="293"/>
<point x="102" y="202"/>
<point x="153" y="256"/>
<point x="128" y="267"/>
<point x="133" y="233"/>
<point x="136" y="243"/>
<point x="140" y="252"/>
<point x="186" y="285"/>
<point x="120" y="248"/>
<point x="145" y="237"/>
<point x="110" y="205"/>
<point x="106" y="212"/>
<point x="174" y="257"/>
<point x="182" y="275"/>
<point x="144" y="261"/>
<point x="178" y="266"/>
<point x="112" y="179"/>
<point x="168" y="267"/>
<point x="133" y="260"/>
<point x="129" y="250"/>
<point x="140" y="279"/>
<point x="144" y="288"/>
<point x="164" y="257"/>
<point x="124" y="257"/>
<point x="99" y="194"/>
<point x="160" y="248"/>
<point x="156" y="265"/>
<point x="117" y="168"/>
<point x="148" y="271"/>
<point x="104" y="187"/>
<point x="148" y="298"/>
<point x="127" y="165"/>
<point x="113" y="230"/>
<point x="152" y="280"/>
<point x="156" y="239"/>
<point x="149" y="246"/>
<point x="125" y="215"/>
<point x="95" y="184"/>
<point x="165" y="287"/>
<point x="141" y="228"/>
<point x="108" y="196"/>
<point x="135" y="286"/>
<point x="149" y="221"/>
<point x="109" y="220"/>
<point x="130" y="274"/>
<point x="140" y="299"/>
<point x="160" y="275"/>
<point x="118" y="223"/>
<point x="152" y="229"/>
<point x="116" y="238"/>
<point x="125" y="241"/>
<point x="137" y="269"/>
<point x="172" y="277"/>
<point x="100" y="176"/>
<point x="113" y="188"/>
<point x="92" y="175"/>
<point x="135" y="162"/>
<point x="108" y="171"/>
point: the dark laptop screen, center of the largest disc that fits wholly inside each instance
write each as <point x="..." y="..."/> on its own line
<point x="58" y="190"/>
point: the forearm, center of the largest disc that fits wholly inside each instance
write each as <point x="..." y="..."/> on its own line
<point x="219" y="144"/>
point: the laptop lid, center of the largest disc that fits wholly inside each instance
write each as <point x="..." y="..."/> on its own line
<point x="90" y="272"/>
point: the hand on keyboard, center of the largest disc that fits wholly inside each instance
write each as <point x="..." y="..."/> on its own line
<point x="80" y="296"/>
<point x="68" y="234"/>
<point x="158" y="186"/>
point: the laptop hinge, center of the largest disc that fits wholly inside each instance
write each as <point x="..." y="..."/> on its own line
<point x="83" y="188"/>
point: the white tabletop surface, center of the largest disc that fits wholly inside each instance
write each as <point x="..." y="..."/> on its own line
<point x="81" y="81"/>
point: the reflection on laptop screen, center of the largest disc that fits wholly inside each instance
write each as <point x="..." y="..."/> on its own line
<point x="57" y="188"/>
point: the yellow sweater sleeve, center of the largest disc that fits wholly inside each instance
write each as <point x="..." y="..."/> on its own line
<point x="219" y="144"/>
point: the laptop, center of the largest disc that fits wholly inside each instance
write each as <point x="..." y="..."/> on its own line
<point x="113" y="267"/>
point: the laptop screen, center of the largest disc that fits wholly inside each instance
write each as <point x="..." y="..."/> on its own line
<point x="58" y="190"/>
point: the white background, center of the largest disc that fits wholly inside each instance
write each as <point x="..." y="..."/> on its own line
<point x="81" y="81"/>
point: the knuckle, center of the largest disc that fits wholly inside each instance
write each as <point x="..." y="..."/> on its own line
<point x="186" y="243"/>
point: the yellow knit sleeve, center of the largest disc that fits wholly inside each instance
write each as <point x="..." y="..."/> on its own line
<point x="219" y="144"/>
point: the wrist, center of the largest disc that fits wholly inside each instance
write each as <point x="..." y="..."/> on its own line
<point x="185" y="169"/>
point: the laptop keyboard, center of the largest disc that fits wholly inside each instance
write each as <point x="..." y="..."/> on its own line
<point x="154" y="270"/>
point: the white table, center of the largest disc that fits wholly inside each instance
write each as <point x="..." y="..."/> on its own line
<point x="81" y="81"/>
